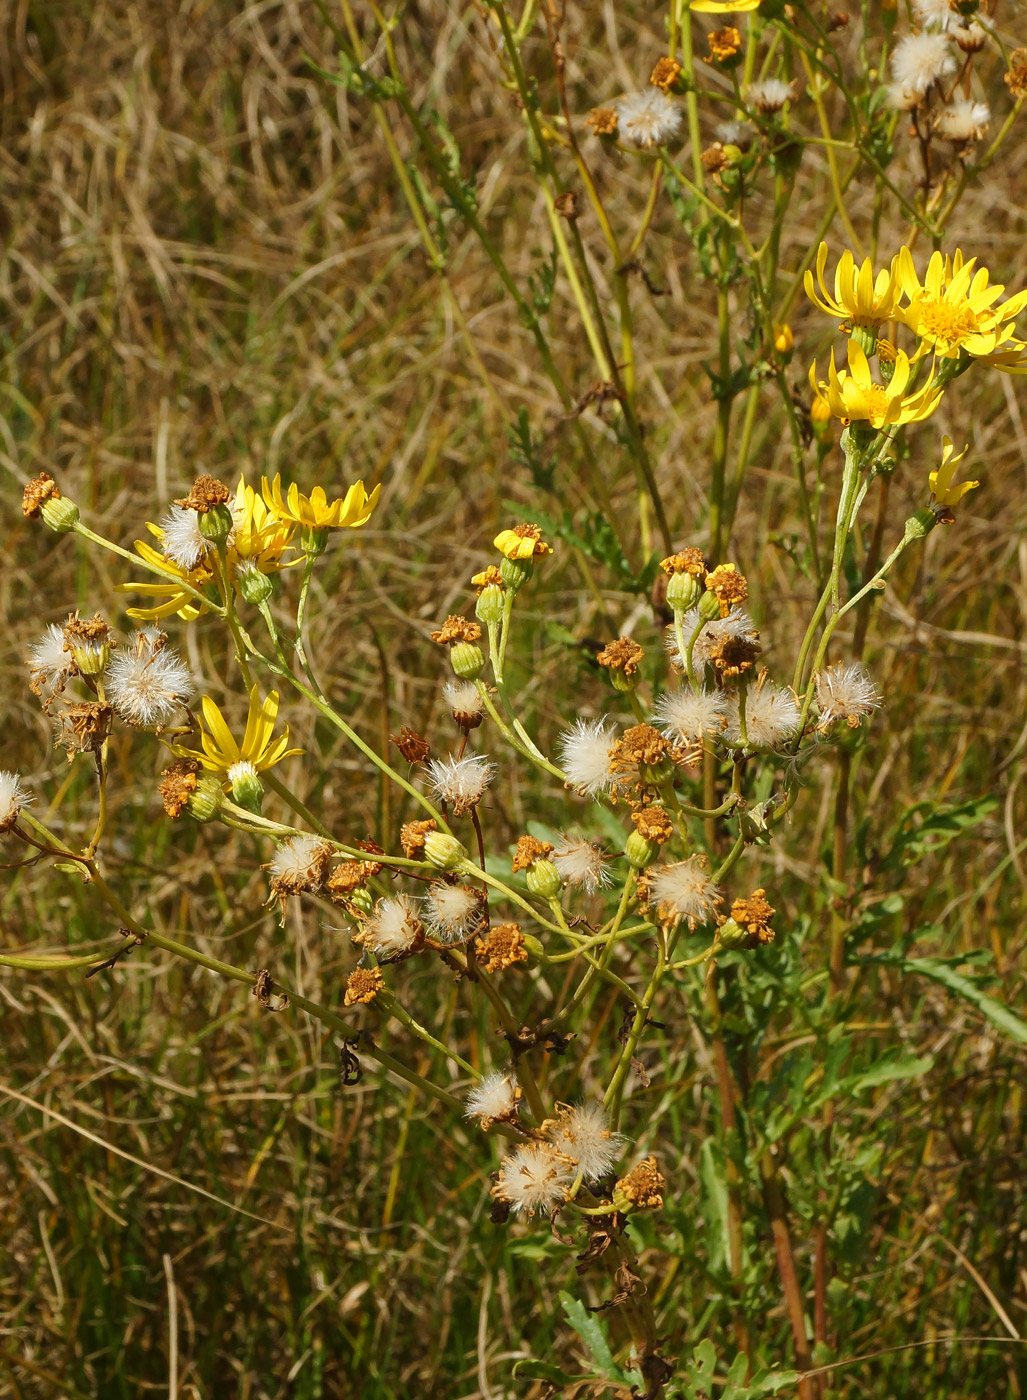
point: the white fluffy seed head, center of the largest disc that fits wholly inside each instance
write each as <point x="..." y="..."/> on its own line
<point x="464" y="701"/>
<point x="684" y="890"/>
<point x="299" y="865"/>
<point x="50" y="666"/>
<point x="964" y="120"/>
<point x="687" y="715"/>
<point x="581" y="862"/>
<point x="772" y="716"/>
<point x="734" y="134"/>
<point x="919" y="59"/>
<point x="149" y="682"/>
<point x="534" y="1177"/>
<point x="845" y="692"/>
<point x="585" y="751"/>
<point x="393" y="929"/>
<point x="738" y="623"/>
<point x="13" y="798"/>
<point x="770" y="95"/>
<point x="935" y="15"/>
<point x="583" y="1134"/>
<point x="493" y="1099"/>
<point x="460" y="782"/>
<point x="648" y="118"/>
<point x="182" y="543"/>
<point x="452" y="912"/>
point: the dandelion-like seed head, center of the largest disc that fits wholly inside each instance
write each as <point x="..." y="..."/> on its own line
<point x="451" y="912"/>
<point x="182" y="542"/>
<point x="737" y="626"/>
<point x="534" y="1177"/>
<point x="770" y="95"/>
<point x="684" y="890"/>
<point x="964" y="120"/>
<point x="493" y="1099"/>
<point x="936" y="15"/>
<point x="585" y="752"/>
<point x="583" y="1133"/>
<point x="460" y="782"/>
<point x="299" y="865"/>
<point x="688" y="715"/>
<point x="148" y="683"/>
<point x="919" y="59"/>
<point x="581" y="862"/>
<point x="393" y="930"/>
<point x="648" y="118"/>
<point x="772" y="716"/>
<point x="13" y="797"/>
<point x="467" y="706"/>
<point x="50" y="666"/>
<point x="845" y="692"/>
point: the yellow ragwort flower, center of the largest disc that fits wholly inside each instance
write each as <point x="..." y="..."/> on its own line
<point x="315" y="512"/>
<point x="945" y="491"/>
<point x="718" y="7"/>
<point x="175" y="598"/>
<point x="259" y="535"/>
<point x="853" y="395"/>
<point x="522" y="542"/>
<point x="219" y="752"/>
<point x="859" y="298"/>
<point x="953" y="310"/>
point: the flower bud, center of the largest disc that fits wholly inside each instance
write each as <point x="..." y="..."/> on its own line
<point x="204" y="802"/>
<point x="784" y="340"/>
<point x="543" y="879"/>
<point x="254" y="584"/>
<point x="489" y="607"/>
<point x="443" y="851"/>
<point x="640" y="852"/>
<point x="215" y="524"/>
<point x="683" y="592"/>
<point x="60" y="514"/>
<point x="467" y="660"/>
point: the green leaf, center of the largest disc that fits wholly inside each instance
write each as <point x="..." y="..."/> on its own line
<point x="532" y="1370"/>
<point x="941" y="970"/>
<point x="591" y="1333"/>
<point x="713" y="1176"/>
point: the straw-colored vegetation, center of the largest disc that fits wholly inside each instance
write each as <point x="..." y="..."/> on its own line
<point x="338" y="243"/>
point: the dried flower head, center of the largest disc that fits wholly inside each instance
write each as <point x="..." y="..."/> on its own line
<point x="643" y="1187"/>
<point x="529" y="850"/>
<point x="38" y="491"/>
<point x="149" y="683"/>
<point x="622" y="655"/>
<point x="728" y="586"/>
<point x="13" y="797"/>
<point x="585" y="753"/>
<point x="583" y="1134"/>
<point x="83" y="727"/>
<point x="686" y="561"/>
<point x="178" y="786"/>
<point x="501" y="947"/>
<point x="772" y="716"/>
<point x="493" y="1099"/>
<point x="581" y="862"/>
<point x="738" y="625"/>
<point x="845" y="692"/>
<point x="457" y="629"/>
<point x="684" y="890"/>
<point x="413" y="746"/>
<point x="394" y="930"/>
<point x="754" y="914"/>
<point x="206" y="493"/>
<point x="724" y="43"/>
<point x="460" y="782"/>
<point x="688" y="716"/>
<point x="452" y="912"/>
<point x="522" y="542"/>
<point x="1016" y="79"/>
<point x="770" y="95"/>
<point x="50" y="666"/>
<point x="89" y="641"/>
<point x="299" y="865"/>
<point x="918" y="60"/>
<point x="181" y="541"/>
<point x="412" y="836"/>
<point x="347" y="877"/>
<point x="603" y="121"/>
<point x="665" y="73"/>
<point x="362" y="986"/>
<point x="648" y="118"/>
<point x="732" y="655"/>
<point x="653" y="824"/>
<point x="534" y="1177"/>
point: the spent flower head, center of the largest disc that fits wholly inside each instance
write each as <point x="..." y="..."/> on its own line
<point x="585" y="752"/>
<point x="493" y="1099"/>
<point x="13" y="797"/>
<point x="460" y="782"/>
<point x="648" y="118"/>
<point x="148" y="683"/>
<point x="534" y="1177"/>
<point x="583" y="1134"/>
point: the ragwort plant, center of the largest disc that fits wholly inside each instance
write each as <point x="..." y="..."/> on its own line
<point x="674" y="779"/>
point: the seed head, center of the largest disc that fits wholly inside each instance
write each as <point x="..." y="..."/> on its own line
<point x="581" y="862"/>
<point x="394" y="930"/>
<point x="466" y="704"/>
<point x="917" y="60"/>
<point x="769" y="96"/>
<point x="772" y="716"/>
<point x="585" y="752"/>
<point x="648" y="118"/>
<point x="583" y="1134"/>
<point x="684" y="890"/>
<point x="149" y="683"/>
<point x="493" y="1099"/>
<point x="688" y="716"/>
<point x="460" y="782"/>
<point x="451" y="912"/>
<point x="13" y="798"/>
<point x="845" y="691"/>
<point x="534" y="1177"/>
<point x="50" y="666"/>
<point x="299" y="866"/>
<point x="182" y="543"/>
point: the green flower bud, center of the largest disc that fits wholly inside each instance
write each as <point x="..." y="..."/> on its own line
<point x="683" y="592"/>
<point x="489" y="607"/>
<point x="516" y="572"/>
<point x="247" y="789"/>
<point x="361" y="898"/>
<point x="640" y="852"/>
<point x="215" y="524"/>
<point x="60" y="514"/>
<point x="204" y="802"/>
<point x="543" y="879"/>
<point x="443" y="851"/>
<point x="254" y="584"/>
<point x="866" y="338"/>
<point x="467" y="660"/>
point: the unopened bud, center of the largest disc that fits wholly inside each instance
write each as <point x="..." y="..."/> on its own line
<point x="361" y="899"/>
<point x="732" y="935"/>
<point x="254" y="585"/>
<point x="709" y="607"/>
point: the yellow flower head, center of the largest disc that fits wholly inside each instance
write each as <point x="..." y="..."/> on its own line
<point x="522" y="542"/>
<point x="315" y="512"/>
<point x="853" y="395"/>
<point x="220" y="753"/>
<point x="172" y="596"/>
<point x="859" y="298"/>
<point x="258" y="534"/>
<point x="718" y="7"/>
<point x="953" y="310"/>
<point x="945" y="491"/>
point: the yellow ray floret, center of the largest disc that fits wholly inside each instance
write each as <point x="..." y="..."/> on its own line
<point x="854" y="396"/>
<point x="859" y="297"/>
<point x="174" y="597"/>
<point x="219" y="751"/>
<point x="717" y="7"/>
<point x="522" y="542"/>
<point x="944" y="490"/>
<point x="316" y="512"/>
<point x="259" y="535"/>
<point x="953" y="310"/>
